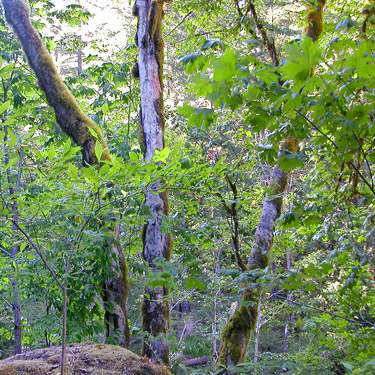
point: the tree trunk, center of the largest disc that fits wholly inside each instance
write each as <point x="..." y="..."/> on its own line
<point x="14" y="188"/>
<point x="314" y="19"/>
<point x="258" y="326"/>
<point x="79" y="56"/>
<point x="16" y="301"/>
<point x="84" y="132"/>
<point x="115" y="293"/>
<point x="72" y="120"/>
<point x="236" y="333"/>
<point x="289" y="320"/>
<point x="156" y="243"/>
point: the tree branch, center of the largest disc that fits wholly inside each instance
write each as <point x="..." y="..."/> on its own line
<point x="270" y="44"/>
<point x="180" y="23"/>
<point x="5" y="252"/>
<point x="7" y="302"/>
<point x="72" y="120"/>
<point x="235" y="231"/>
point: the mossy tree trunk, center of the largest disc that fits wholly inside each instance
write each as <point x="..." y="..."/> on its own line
<point x="115" y="293"/>
<point x="314" y="19"/>
<point x="156" y="243"/>
<point x="79" y="127"/>
<point x="236" y="333"/>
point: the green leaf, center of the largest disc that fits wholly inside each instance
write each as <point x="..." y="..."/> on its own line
<point x="11" y="162"/>
<point x="72" y="171"/>
<point x="290" y="162"/>
<point x="133" y="156"/>
<point x="193" y="282"/>
<point x="6" y="71"/>
<point x="212" y="43"/>
<point x="162" y="155"/>
<point x="98" y="149"/>
<point x="93" y="133"/>
<point x="348" y="366"/>
<point x="346" y="24"/>
<point x="51" y="152"/>
<point x="225" y="66"/>
<point x="302" y="57"/>
<point x="67" y="146"/>
<point x="199" y="117"/>
<point x="105" y="108"/>
<point x="12" y="138"/>
<point x="4" y="107"/>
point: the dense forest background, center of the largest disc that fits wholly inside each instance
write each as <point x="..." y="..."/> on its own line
<point x="250" y="91"/>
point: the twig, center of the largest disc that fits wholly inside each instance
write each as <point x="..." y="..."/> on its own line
<point x="5" y="252"/>
<point x="180" y="23"/>
<point x="365" y="157"/>
<point x="7" y="302"/>
<point x="41" y="255"/>
<point x="235" y="231"/>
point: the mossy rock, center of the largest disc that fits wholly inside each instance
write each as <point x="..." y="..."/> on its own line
<point x="84" y="358"/>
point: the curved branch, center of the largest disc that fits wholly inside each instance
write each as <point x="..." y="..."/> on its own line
<point x="72" y="120"/>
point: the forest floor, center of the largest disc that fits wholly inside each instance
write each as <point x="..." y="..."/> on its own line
<point x="85" y="358"/>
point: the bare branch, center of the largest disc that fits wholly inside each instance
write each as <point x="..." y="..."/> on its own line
<point x="7" y="302"/>
<point x="5" y="252"/>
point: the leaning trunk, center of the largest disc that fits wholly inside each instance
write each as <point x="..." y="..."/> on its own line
<point x="237" y="331"/>
<point x="84" y="132"/>
<point x="156" y="243"/>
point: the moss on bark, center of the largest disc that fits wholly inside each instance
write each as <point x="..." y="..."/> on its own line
<point x="236" y="333"/>
<point x="84" y="132"/>
<point x="314" y="19"/>
<point x="72" y="120"/>
<point x="156" y="243"/>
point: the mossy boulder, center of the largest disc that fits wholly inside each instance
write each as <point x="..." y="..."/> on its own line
<point x="84" y="358"/>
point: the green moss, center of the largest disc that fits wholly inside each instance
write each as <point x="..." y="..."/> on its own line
<point x="86" y="357"/>
<point x="155" y="33"/>
<point x="236" y="333"/>
<point x="72" y="120"/>
<point x="290" y="144"/>
<point x="314" y="19"/>
<point x="368" y="12"/>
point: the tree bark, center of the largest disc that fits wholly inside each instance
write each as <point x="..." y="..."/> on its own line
<point x="156" y="243"/>
<point x="237" y="331"/>
<point x="84" y="132"/>
<point x="72" y="120"/>
<point x="314" y="19"/>
<point x="115" y="294"/>
<point x="289" y="321"/>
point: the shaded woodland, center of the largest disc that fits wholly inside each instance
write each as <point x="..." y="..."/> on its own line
<point x="195" y="186"/>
